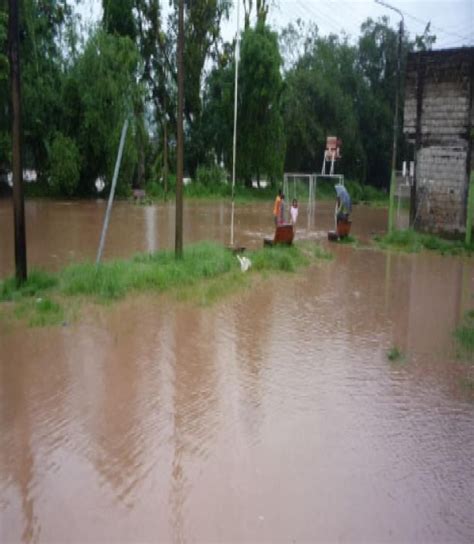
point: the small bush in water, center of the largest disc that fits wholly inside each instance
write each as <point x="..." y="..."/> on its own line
<point x="394" y="354"/>
<point x="464" y="334"/>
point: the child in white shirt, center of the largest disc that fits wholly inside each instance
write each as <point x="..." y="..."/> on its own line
<point x="294" y="211"/>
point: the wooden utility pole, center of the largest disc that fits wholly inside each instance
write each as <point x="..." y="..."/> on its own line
<point x="17" y="170"/>
<point x="179" y="137"/>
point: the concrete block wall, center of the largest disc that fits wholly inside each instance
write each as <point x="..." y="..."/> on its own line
<point x="437" y="120"/>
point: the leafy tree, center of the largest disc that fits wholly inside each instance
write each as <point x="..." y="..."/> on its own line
<point x="158" y="76"/>
<point x="320" y="100"/>
<point x="105" y="76"/>
<point x="377" y="52"/>
<point x="261" y="11"/>
<point x="218" y="115"/>
<point x="64" y="165"/>
<point x="117" y="18"/>
<point x="261" y="144"/>
<point x="202" y="27"/>
<point x="349" y="91"/>
<point x="296" y="40"/>
<point x="3" y="45"/>
<point x="42" y="75"/>
<point x="425" y="41"/>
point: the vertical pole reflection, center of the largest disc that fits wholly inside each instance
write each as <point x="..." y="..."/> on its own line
<point x="388" y="280"/>
<point x="194" y="400"/>
<point x="151" y="229"/>
<point x="16" y="443"/>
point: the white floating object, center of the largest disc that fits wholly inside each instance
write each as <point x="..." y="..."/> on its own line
<point x="245" y="263"/>
<point x="99" y="184"/>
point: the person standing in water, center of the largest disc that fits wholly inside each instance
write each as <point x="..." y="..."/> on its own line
<point x="281" y="215"/>
<point x="277" y="207"/>
<point x="343" y="203"/>
<point x="294" y="212"/>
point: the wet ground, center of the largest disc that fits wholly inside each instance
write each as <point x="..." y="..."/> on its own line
<point x="273" y="416"/>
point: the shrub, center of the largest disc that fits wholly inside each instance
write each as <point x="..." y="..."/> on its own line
<point x="210" y="175"/>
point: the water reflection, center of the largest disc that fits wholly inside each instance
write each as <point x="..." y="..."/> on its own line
<point x="271" y="416"/>
<point x="151" y="228"/>
<point x="62" y="232"/>
<point x="18" y="472"/>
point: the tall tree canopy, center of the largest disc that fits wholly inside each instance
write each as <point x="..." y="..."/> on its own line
<point x="261" y="141"/>
<point x="320" y="95"/>
<point x="295" y="89"/>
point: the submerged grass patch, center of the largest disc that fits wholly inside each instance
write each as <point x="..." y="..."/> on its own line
<point x="412" y="241"/>
<point x="321" y="253"/>
<point x="347" y="240"/>
<point x="464" y="335"/>
<point x="279" y="258"/>
<point x="205" y="273"/>
<point x="207" y="292"/>
<point x="46" y="312"/>
<point x="39" y="312"/>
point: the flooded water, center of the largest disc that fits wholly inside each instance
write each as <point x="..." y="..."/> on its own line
<point x="272" y="416"/>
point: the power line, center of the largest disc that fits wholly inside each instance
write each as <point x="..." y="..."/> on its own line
<point x="452" y="32"/>
<point x="434" y="27"/>
<point x="318" y="15"/>
<point x="335" y="22"/>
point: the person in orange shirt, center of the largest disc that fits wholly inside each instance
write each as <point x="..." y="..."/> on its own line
<point x="277" y="207"/>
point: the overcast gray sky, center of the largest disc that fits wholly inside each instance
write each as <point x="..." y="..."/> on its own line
<point x="451" y="20"/>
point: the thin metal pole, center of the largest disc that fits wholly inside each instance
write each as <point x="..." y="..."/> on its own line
<point x="395" y="117"/>
<point x="420" y="84"/>
<point x="112" y="192"/>
<point x="180" y="137"/>
<point x="17" y="170"/>
<point x="470" y="209"/>
<point x="234" y="150"/>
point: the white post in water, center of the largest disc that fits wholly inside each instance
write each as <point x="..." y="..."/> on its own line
<point x="234" y="151"/>
<point x="112" y="191"/>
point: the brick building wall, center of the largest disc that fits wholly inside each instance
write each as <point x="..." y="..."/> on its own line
<point x="438" y="120"/>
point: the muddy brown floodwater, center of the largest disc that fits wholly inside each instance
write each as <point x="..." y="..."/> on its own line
<point x="272" y="416"/>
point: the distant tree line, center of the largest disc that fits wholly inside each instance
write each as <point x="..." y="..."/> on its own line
<point x="295" y="88"/>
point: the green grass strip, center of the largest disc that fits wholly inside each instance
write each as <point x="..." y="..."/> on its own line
<point x="206" y="272"/>
<point x="412" y="241"/>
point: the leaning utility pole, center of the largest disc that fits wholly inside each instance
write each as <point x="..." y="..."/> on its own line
<point x="179" y="137"/>
<point x="393" y="179"/>
<point x="17" y="170"/>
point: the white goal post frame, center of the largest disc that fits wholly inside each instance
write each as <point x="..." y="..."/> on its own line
<point x="312" y="182"/>
<point x="301" y="176"/>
